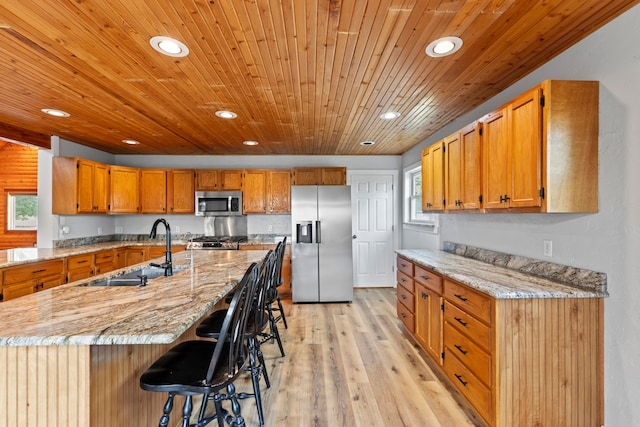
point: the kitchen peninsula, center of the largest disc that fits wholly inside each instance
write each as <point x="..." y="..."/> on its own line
<point x="73" y="355"/>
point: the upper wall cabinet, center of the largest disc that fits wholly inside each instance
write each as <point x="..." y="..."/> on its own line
<point x="463" y="169"/>
<point x="541" y="150"/>
<point x="153" y="191"/>
<point x="278" y="191"/>
<point x="79" y="186"/>
<point x="433" y="178"/>
<point x="218" y="180"/>
<point x="180" y="191"/>
<point x="266" y="191"/>
<point x="320" y="176"/>
<point x="125" y="190"/>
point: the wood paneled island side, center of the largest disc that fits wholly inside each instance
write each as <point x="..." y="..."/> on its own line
<point x="73" y="355"/>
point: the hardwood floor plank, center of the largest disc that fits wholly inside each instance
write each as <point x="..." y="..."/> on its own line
<point x="350" y="365"/>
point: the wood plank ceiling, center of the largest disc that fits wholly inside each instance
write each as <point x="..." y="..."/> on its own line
<point x="304" y="76"/>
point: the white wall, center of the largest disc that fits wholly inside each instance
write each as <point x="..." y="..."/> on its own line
<point x="608" y="241"/>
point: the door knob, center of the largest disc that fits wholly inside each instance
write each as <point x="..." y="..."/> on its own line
<point x="354" y="237"/>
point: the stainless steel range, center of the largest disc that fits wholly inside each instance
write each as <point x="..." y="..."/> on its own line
<point x="217" y="242"/>
<point x="224" y="233"/>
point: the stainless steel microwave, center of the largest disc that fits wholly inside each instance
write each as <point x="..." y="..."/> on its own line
<point x="218" y="203"/>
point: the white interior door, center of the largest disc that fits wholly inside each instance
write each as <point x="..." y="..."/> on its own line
<point x="372" y="206"/>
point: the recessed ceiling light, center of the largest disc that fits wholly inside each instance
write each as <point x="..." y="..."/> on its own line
<point x="55" y="113"/>
<point x="367" y="143"/>
<point x="250" y="142"/>
<point x="169" y="46"/>
<point x="444" y="46"/>
<point x="226" y="114"/>
<point x="390" y="115"/>
<point x="130" y="141"/>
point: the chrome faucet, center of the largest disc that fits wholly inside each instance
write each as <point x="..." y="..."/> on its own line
<point x="168" y="267"/>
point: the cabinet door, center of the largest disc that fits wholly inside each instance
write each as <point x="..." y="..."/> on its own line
<point x="135" y="255"/>
<point x="105" y="261"/>
<point x="206" y="180"/>
<point x="471" y="167"/>
<point x="278" y="191"/>
<point x="526" y="150"/>
<point x="79" y="267"/>
<point x="495" y="159"/>
<point x="101" y="188"/>
<point x="153" y="191"/>
<point x="307" y="176"/>
<point x="333" y="176"/>
<point x="453" y="172"/>
<point x="428" y="320"/>
<point x="85" y="186"/>
<point x="433" y="177"/>
<point x="18" y="289"/>
<point x="254" y="191"/>
<point x="230" y="179"/>
<point x="124" y="190"/>
<point x="180" y="195"/>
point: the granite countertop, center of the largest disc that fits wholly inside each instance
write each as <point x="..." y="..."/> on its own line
<point x="156" y="314"/>
<point x="264" y="239"/>
<point x="11" y="257"/>
<point x="501" y="282"/>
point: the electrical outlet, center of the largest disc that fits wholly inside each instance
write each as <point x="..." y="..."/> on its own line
<point x="177" y="228"/>
<point x="548" y="248"/>
<point x="270" y="228"/>
<point x="119" y="230"/>
<point x="99" y="231"/>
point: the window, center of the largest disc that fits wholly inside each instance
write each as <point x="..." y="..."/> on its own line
<point x="22" y="211"/>
<point x="413" y="199"/>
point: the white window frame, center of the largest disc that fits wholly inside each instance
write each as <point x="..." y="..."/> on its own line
<point x="11" y="220"/>
<point x="425" y="221"/>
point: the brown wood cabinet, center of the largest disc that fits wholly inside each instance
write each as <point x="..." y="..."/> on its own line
<point x="517" y="361"/>
<point x="79" y="186"/>
<point x="320" y="176"/>
<point x="406" y="294"/>
<point x="105" y="261"/>
<point x="153" y="191"/>
<point x="463" y="169"/>
<point x="433" y="177"/>
<point x="180" y="191"/>
<point x="218" y="180"/>
<point x="254" y="190"/>
<point x="27" y="279"/>
<point x="80" y="267"/>
<point x="541" y="150"/>
<point x="125" y="190"/>
<point x="266" y="191"/>
<point x="428" y="311"/>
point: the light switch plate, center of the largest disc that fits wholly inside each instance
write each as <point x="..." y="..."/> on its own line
<point x="548" y="248"/>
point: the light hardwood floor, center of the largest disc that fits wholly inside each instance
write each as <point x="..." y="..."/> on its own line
<point x="351" y="365"/>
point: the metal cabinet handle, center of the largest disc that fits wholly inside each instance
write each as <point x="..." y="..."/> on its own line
<point x="424" y="295"/>
<point x="459" y="377"/>
<point x="459" y="320"/>
<point x="460" y="297"/>
<point x="460" y="349"/>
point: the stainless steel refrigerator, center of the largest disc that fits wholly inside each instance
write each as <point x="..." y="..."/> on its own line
<point x="321" y="246"/>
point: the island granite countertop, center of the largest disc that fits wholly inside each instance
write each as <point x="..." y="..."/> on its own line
<point x="505" y="276"/>
<point x="158" y="313"/>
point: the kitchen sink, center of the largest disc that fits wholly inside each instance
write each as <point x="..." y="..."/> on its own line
<point x="134" y="278"/>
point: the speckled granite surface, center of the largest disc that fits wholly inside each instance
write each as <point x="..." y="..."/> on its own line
<point x="487" y="272"/>
<point x="156" y="314"/>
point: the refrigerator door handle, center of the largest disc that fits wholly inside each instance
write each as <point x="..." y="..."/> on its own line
<point x="318" y="239"/>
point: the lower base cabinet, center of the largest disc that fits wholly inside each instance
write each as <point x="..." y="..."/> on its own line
<point x="523" y="362"/>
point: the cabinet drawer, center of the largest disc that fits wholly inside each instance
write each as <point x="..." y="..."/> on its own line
<point x="105" y="257"/>
<point x="405" y="281"/>
<point x="468" y="325"/>
<point x="406" y="316"/>
<point x="405" y="266"/>
<point x="474" y="358"/>
<point x="472" y="302"/>
<point x="428" y="278"/>
<point x="406" y="298"/>
<point x="471" y="387"/>
<point x="32" y="271"/>
<point x="79" y="261"/>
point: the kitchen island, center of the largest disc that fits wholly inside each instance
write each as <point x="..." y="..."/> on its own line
<point x="73" y="355"/>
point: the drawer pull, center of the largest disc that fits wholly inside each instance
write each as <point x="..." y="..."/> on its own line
<point x="460" y="297"/>
<point x="39" y="271"/>
<point x="459" y="320"/>
<point x="403" y="296"/>
<point x="403" y="265"/>
<point x="460" y="349"/>
<point x="403" y="315"/>
<point x="82" y="262"/>
<point x="424" y="295"/>
<point x="402" y="279"/>
<point x="424" y="277"/>
<point x="459" y="377"/>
